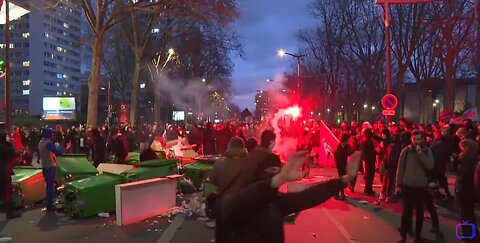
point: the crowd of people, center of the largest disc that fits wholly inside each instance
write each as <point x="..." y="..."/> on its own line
<point x="411" y="160"/>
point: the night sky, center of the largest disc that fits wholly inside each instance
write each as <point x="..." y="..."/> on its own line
<point x="264" y="27"/>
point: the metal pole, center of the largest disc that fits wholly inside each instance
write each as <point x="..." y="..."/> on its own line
<point x="387" y="43"/>
<point x="298" y="78"/>
<point x="387" y="51"/>
<point x="8" y="101"/>
<point x="477" y="17"/>
<point x="109" y="105"/>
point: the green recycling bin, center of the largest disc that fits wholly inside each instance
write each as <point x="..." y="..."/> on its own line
<point x="72" y="167"/>
<point x="152" y="169"/>
<point x="28" y="186"/>
<point x="134" y="157"/>
<point x="208" y="188"/>
<point x="198" y="172"/>
<point x="208" y="159"/>
<point x="91" y="196"/>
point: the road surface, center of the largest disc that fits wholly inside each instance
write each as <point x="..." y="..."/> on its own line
<point x="355" y="220"/>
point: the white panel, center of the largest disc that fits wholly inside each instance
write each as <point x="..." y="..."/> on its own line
<point x="113" y="168"/>
<point x="144" y="199"/>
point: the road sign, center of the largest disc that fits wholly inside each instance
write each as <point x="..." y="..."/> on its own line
<point x="389" y="102"/>
<point x="388" y="112"/>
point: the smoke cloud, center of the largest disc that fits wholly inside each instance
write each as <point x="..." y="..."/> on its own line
<point x="186" y="95"/>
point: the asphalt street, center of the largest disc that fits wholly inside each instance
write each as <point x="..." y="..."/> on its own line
<point x="355" y="220"/>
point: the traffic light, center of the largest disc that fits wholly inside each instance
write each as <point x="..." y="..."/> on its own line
<point x="2" y="68"/>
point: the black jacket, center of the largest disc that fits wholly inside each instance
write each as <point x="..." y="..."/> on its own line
<point x="442" y="150"/>
<point x="465" y="174"/>
<point x="100" y="150"/>
<point x="368" y="151"/>
<point x="341" y="158"/>
<point x="7" y="161"/>
<point x="255" y="214"/>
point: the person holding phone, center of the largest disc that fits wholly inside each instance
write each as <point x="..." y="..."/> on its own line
<point x="414" y="164"/>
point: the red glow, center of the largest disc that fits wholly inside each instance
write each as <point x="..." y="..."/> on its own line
<point x="294" y="111"/>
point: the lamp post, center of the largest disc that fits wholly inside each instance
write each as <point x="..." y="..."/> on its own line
<point x="8" y="100"/>
<point x="200" y="116"/>
<point x="282" y="53"/>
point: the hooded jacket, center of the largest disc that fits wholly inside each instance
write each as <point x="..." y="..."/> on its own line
<point x="47" y="150"/>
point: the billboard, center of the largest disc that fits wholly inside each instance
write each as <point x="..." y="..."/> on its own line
<point x="404" y="1"/>
<point x="179" y="115"/>
<point x="59" y="108"/>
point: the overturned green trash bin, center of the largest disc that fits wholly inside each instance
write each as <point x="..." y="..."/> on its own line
<point x="28" y="186"/>
<point x="198" y="172"/>
<point x="91" y="196"/>
<point x="152" y="169"/>
<point x="208" y="188"/>
<point x="134" y="157"/>
<point x="72" y="167"/>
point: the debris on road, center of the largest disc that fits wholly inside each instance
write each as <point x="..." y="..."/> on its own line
<point x="365" y="217"/>
<point x="5" y="239"/>
<point x="104" y="215"/>
<point x="210" y="225"/>
<point x="203" y="219"/>
<point x="363" y="202"/>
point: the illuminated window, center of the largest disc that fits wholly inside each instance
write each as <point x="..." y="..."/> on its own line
<point x="2" y="46"/>
<point x="155" y="31"/>
<point x="59" y="76"/>
<point x="26" y="35"/>
<point x="12" y="45"/>
<point x="26" y="82"/>
<point x="47" y="35"/>
<point x="66" y="25"/>
<point x="60" y="49"/>
<point x="26" y="63"/>
<point x="26" y="92"/>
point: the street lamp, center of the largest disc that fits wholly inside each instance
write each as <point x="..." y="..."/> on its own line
<point x="282" y="53"/>
<point x="204" y="80"/>
<point x="365" y="106"/>
<point x="171" y="51"/>
<point x="437" y="101"/>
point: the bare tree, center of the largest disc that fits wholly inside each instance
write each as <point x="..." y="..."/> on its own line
<point x="426" y="68"/>
<point x="407" y="27"/>
<point x="102" y="16"/>
<point x="326" y="45"/>
<point x="174" y="22"/>
<point x="454" y="20"/>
